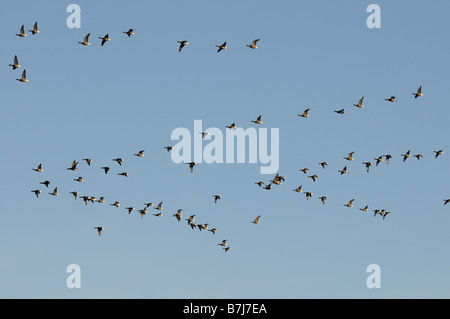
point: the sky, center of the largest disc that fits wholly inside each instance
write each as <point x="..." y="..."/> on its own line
<point x="104" y="102"/>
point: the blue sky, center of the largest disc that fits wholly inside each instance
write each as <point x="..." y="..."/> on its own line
<point x="112" y="101"/>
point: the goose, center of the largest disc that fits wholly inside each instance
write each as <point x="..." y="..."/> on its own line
<point x="193" y="225"/>
<point x="101" y="200"/>
<point x="323" y="164"/>
<point x="323" y="199"/>
<point x="99" y="229"/>
<point x="178" y="215"/>
<point x="191" y="165"/>
<point x="314" y="177"/>
<point x="38" y="169"/>
<point x="24" y="77"/>
<point x="88" y="161"/>
<point x="349" y="204"/>
<point x="123" y="174"/>
<point x="142" y="212"/>
<point x="359" y="103"/>
<point x="15" y="65"/>
<point x="387" y="157"/>
<point x="159" y="207"/>
<point x="75" y="194"/>
<point x="226" y="249"/>
<point x="385" y="214"/>
<point x="368" y="164"/>
<point x="92" y="199"/>
<point x="35" y="29"/>
<point x="406" y="155"/>
<point x="256" y="220"/>
<point x="376" y="211"/>
<point x="222" y="47"/>
<point x="168" y="148"/>
<point x="55" y="192"/>
<point x="343" y="171"/>
<point x="253" y="44"/>
<point x="106" y="169"/>
<point x="202" y="226"/>
<point x="232" y="126"/>
<point x="73" y="166"/>
<point x="129" y="33"/>
<point x="118" y="160"/>
<point x="276" y="180"/>
<point x="86" y="39"/>
<point x="418" y="93"/>
<point x="79" y="179"/>
<point x="258" y="120"/>
<point x="204" y="134"/>
<point x="341" y="111"/>
<point x="116" y="204"/>
<point x="350" y="156"/>
<point x="418" y="156"/>
<point x="158" y="214"/>
<point x="104" y="39"/>
<point x="440" y="152"/>
<point x="260" y="183"/>
<point x="214" y="230"/>
<point x="365" y="209"/>
<point x="267" y="186"/>
<point x="36" y="192"/>
<point x="378" y="160"/>
<point x="85" y="199"/>
<point x="446" y="201"/>
<point x="22" y="32"/>
<point x="308" y="195"/>
<point x="305" y="113"/>
<point x="140" y="153"/>
<point x="298" y="189"/>
<point x="190" y="219"/>
<point x="216" y="197"/>
<point x="147" y="205"/>
<point x="223" y="243"/>
<point x="182" y="44"/>
<point x="46" y="183"/>
<point x="391" y="99"/>
<point x="305" y="170"/>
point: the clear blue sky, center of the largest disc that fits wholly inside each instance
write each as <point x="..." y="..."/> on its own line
<point x="112" y="101"/>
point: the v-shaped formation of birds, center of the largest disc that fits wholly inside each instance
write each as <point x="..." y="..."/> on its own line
<point x="277" y="179"/>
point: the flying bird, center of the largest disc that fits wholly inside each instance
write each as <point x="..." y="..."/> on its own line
<point x="365" y="209"/>
<point x="168" y="148"/>
<point x="406" y="155"/>
<point x="418" y="93"/>
<point x="308" y="195"/>
<point x="440" y="152"/>
<point x="24" y="77"/>
<point x="129" y="33"/>
<point x="446" y="201"/>
<point x="73" y="167"/>
<point x="123" y="174"/>
<point x="368" y="164"/>
<point x="216" y="197"/>
<point x="36" y="192"/>
<point x="232" y="126"/>
<point x="350" y="157"/>
<point x="418" y="156"/>
<point x="118" y="160"/>
<point x="323" y="164"/>
<point x="256" y="220"/>
<point x="22" y="32"/>
<point x="191" y="165"/>
<point x="46" y="183"/>
<point x="105" y="39"/>
<point x="391" y="99"/>
<point x="38" y="169"/>
<point x="178" y="215"/>
<point x="359" y="103"/>
<point x="140" y="153"/>
<point x="258" y="120"/>
<point x="387" y="157"/>
<point x="323" y="199"/>
<point x="305" y="113"/>
<point x="142" y="212"/>
<point x="305" y="170"/>
<point x="99" y="229"/>
<point x="350" y="203"/>
<point x="159" y="207"/>
<point x="298" y="189"/>
<point x="116" y="204"/>
<point x="106" y="169"/>
<point x="86" y="40"/>
<point x="15" y="65"/>
<point x="35" y="29"/>
<point x="343" y="171"/>
<point x="341" y="111"/>
<point x="55" y="192"/>
<point x="182" y="44"/>
<point x="88" y="161"/>
<point x="223" y="243"/>
<point x="253" y="44"/>
<point x="74" y="194"/>
<point x="79" y="179"/>
<point x="222" y="47"/>
<point x="314" y="177"/>
<point x="259" y="183"/>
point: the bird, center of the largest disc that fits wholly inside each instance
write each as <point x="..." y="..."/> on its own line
<point x="223" y="243"/>
<point x="106" y="169"/>
<point x="15" y="65"/>
<point x="260" y="183"/>
<point x="74" y="194"/>
<point x="343" y="171"/>
<point x="147" y="205"/>
<point x="387" y="157"/>
<point x="368" y="164"/>
<point x="446" y="201"/>
<point x="192" y="225"/>
<point x="37" y="192"/>
<point x="101" y="200"/>
<point x="202" y="226"/>
<point x="253" y="44"/>
<point x="365" y="209"/>
<point x="182" y="44"/>
<point x="88" y="161"/>
<point x="267" y="186"/>
<point x="232" y="126"/>
<point x="350" y="156"/>
<point x="305" y="113"/>
<point x="158" y="214"/>
<point x="406" y="155"/>
<point x="86" y="40"/>
<point x="85" y="199"/>
<point x="323" y="199"/>
<point x="323" y="164"/>
<point x="159" y="207"/>
<point x="22" y="32"/>
<point x="140" y="153"/>
<point x="313" y="177"/>
<point x="376" y="211"/>
<point x="38" y="169"/>
<point x="256" y="220"/>
<point x="168" y="148"/>
<point x="308" y="195"/>
<point x="391" y="99"/>
<point x="129" y="33"/>
<point x="276" y="180"/>
<point x="35" y="29"/>
<point x="305" y="170"/>
<point x="440" y="152"/>
<point x="213" y="230"/>
<point x="142" y="212"/>
<point x="105" y="39"/>
<point x="55" y="192"/>
<point x="178" y="215"/>
<point x="418" y="93"/>
<point x="378" y="160"/>
<point x="116" y="204"/>
<point x="118" y="160"/>
<point x="73" y="166"/>
<point x="227" y="249"/>
<point x="258" y="120"/>
<point x="190" y="219"/>
<point x="298" y="189"/>
<point x="79" y="179"/>
<point x="349" y="204"/>
<point x="191" y="165"/>
<point x="341" y="111"/>
<point x="99" y="229"/>
<point x="222" y="47"/>
<point x="359" y="103"/>
<point x="46" y="183"/>
<point x="216" y="197"/>
<point x="418" y="156"/>
<point x="123" y="174"/>
<point x="24" y="77"/>
<point x="204" y="134"/>
<point x="384" y="214"/>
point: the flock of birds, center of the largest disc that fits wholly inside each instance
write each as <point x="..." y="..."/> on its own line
<point x="277" y="179"/>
